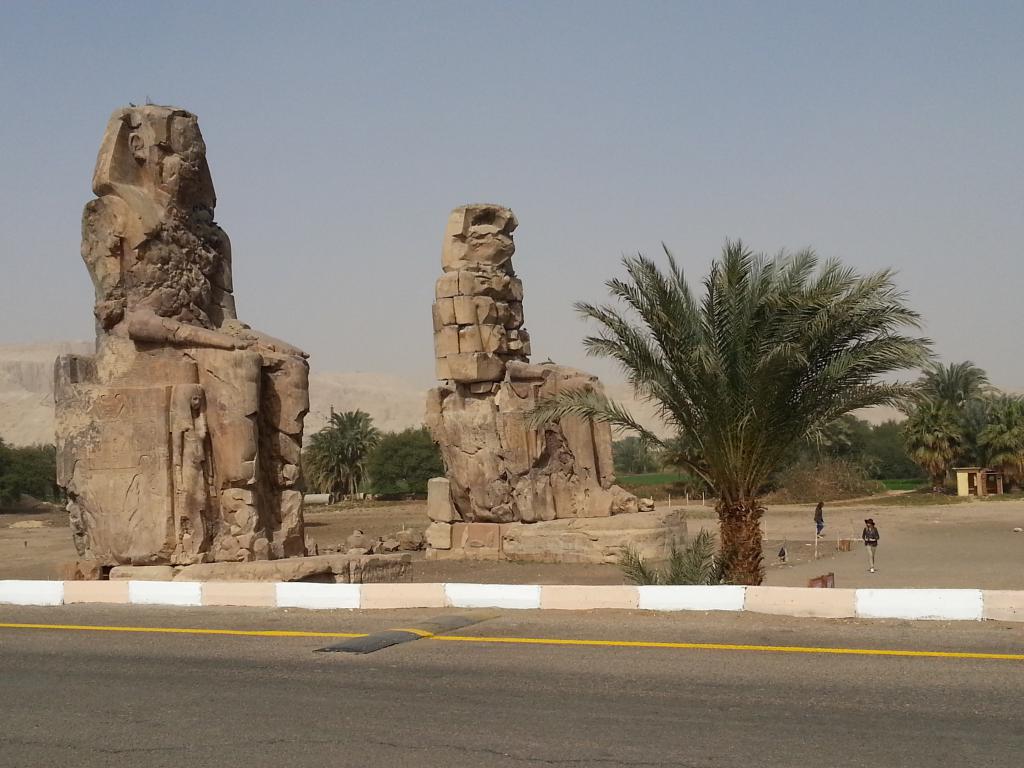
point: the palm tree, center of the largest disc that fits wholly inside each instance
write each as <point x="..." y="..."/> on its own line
<point x="773" y="351"/>
<point x="336" y="458"/>
<point x="934" y="438"/>
<point x="954" y="384"/>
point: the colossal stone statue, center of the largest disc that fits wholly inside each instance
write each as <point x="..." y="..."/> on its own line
<point x="499" y="468"/>
<point x="179" y="441"/>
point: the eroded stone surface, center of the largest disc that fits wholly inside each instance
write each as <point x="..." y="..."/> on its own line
<point x="179" y="441"/>
<point x="499" y="468"/>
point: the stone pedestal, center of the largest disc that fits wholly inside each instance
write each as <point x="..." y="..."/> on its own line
<point x="579" y="540"/>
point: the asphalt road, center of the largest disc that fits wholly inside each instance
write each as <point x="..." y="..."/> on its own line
<point x="109" y="698"/>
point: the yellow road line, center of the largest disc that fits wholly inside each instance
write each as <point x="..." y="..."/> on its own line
<point x="541" y="641"/>
<point x="731" y="647"/>
<point x="187" y="631"/>
<point x="413" y="631"/>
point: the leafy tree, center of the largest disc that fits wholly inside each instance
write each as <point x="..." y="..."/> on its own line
<point x="403" y="462"/>
<point x="886" y="453"/>
<point x="934" y="438"/>
<point x="632" y="456"/>
<point x="31" y="471"/>
<point x="335" y="461"/>
<point x="772" y="352"/>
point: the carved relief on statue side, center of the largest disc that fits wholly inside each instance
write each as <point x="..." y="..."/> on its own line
<point x="191" y="471"/>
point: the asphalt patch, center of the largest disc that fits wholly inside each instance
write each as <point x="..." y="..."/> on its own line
<point x="378" y="641"/>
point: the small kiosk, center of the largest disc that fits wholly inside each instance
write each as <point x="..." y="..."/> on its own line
<point x="978" y="481"/>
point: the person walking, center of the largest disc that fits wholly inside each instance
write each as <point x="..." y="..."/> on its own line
<point x="870" y="536"/>
<point x="819" y="518"/>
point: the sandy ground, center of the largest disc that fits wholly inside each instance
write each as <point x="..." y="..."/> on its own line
<point x="961" y="545"/>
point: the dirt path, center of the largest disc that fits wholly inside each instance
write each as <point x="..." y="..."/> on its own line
<point x="950" y="545"/>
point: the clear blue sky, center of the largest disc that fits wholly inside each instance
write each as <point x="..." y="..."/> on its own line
<point x="341" y="135"/>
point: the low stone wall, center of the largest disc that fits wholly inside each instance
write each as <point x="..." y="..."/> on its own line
<point x="943" y="604"/>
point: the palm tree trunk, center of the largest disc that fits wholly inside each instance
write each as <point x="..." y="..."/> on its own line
<point x="740" y="530"/>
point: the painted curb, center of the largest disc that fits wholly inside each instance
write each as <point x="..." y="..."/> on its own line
<point x="911" y="604"/>
<point x="724" y="598"/>
<point x="954" y="604"/>
<point x="802" y="602"/>
<point x="587" y="598"/>
<point x="518" y="596"/>
<point x="181" y="593"/>
<point x="1003" y="605"/>
<point x="32" y="592"/>
<point x="297" y="594"/>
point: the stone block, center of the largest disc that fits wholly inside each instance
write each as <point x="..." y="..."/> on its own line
<point x="439" y="501"/>
<point x="80" y="570"/>
<point x="1003" y="605"/>
<point x="391" y="596"/>
<point x="445" y="311"/>
<point x="487" y="311"/>
<point x="439" y="535"/>
<point x="288" y="569"/>
<point x="447" y="285"/>
<point x="377" y="569"/>
<point x="587" y="598"/>
<point x="465" y="310"/>
<point x="480" y="366"/>
<point x="446" y="341"/>
<point x="442" y="371"/>
<point x="493" y="338"/>
<point x="470" y="340"/>
<point x="594" y="540"/>
<point x="96" y="592"/>
<point x="485" y="536"/>
<point x="800" y="601"/>
<point x="142" y="573"/>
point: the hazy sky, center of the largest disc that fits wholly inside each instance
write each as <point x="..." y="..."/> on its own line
<point x="341" y="135"/>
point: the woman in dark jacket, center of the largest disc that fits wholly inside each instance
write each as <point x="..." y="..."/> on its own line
<point x="870" y="536"/>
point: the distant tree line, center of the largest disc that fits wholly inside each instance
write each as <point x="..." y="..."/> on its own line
<point x="879" y="449"/>
<point x="30" y="471"/>
<point x="350" y="455"/>
<point x="956" y="418"/>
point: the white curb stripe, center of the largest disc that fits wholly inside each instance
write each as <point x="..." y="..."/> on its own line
<point x="15" y="592"/>
<point x="184" y="593"/>
<point x="297" y="594"/>
<point x="492" y="595"/>
<point x="691" y="598"/>
<point x="956" y="604"/>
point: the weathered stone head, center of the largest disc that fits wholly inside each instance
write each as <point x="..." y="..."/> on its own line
<point x="478" y="234"/>
<point x="158" y="151"/>
<point x="149" y="239"/>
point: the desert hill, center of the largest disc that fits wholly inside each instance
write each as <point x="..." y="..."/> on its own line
<point x="394" y="402"/>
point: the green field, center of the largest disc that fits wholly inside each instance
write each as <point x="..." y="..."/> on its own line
<point x="904" y="485"/>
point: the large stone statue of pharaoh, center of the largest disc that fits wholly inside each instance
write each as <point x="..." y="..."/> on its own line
<point x="179" y="442"/>
<point x="500" y="468"/>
